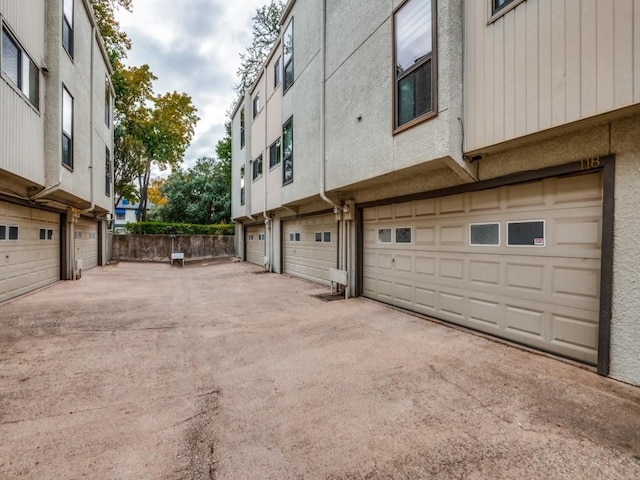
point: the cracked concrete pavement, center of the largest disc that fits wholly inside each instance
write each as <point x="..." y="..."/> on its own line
<point x="215" y="370"/>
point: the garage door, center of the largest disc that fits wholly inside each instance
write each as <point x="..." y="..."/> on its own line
<point x="29" y="249"/>
<point x="255" y="244"/>
<point x="87" y="243"/>
<point x="520" y="262"/>
<point x="311" y="247"/>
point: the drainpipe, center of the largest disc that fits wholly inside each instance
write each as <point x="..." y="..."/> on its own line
<point x="265" y="169"/>
<point x="91" y="92"/>
<point x="48" y="190"/>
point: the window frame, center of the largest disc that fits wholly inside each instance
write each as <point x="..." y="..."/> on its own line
<point x="68" y="23"/>
<point x="10" y="230"/>
<point x="242" y="127"/>
<point x="278" y="145"/>
<point x="471" y="244"/>
<point x="107" y="102"/>
<point x="242" y="189"/>
<point x="256" y="165"/>
<point x="286" y="62"/>
<point x="32" y="69"/>
<point x="64" y="134"/>
<point x="107" y="171"/>
<point x="3" y="232"/>
<point x="255" y="105"/>
<point x="495" y="13"/>
<point x="515" y="245"/>
<point x="122" y="217"/>
<point x="288" y="158"/>
<point x="277" y="72"/>
<point x="434" y="70"/>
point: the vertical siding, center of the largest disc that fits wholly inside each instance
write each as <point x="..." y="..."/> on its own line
<point x="546" y="63"/>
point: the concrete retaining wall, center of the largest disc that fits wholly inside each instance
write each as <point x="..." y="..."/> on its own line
<point x="157" y="248"/>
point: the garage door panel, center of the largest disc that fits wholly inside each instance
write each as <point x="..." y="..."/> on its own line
<point x="86" y="243"/>
<point x="543" y="296"/>
<point x="310" y="247"/>
<point x="255" y="244"/>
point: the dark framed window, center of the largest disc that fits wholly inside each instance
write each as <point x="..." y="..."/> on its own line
<point x="275" y="152"/>
<point x="67" y="128"/>
<point x="403" y="235"/>
<point x="415" y="82"/>
<point x="242" y="128"/>
<point x="528" y="233"/>
<point x="277" y="68"/>
<point x="287" y="55"/>
<point x="257" y="167"/>
<point x="19" y="69"/>
<point x="14" y="233"/>
<point x="287" y="152"/>
<point x="3" y="232"/>
<point x="49" y="234"/>
<point x="242" y="185"/>
<point x="497" y="5"/>
<point x="256" y="105"/>
<point x="67" y="26"/>
<point x="107" y="172"/>
<point x="107" y="102"/>
<point x="43" y="234"/>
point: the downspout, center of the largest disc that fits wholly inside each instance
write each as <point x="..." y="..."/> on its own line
<point x="265" y="168"/>
<point x="91" y="92"/>
<point x="49" y="189"/>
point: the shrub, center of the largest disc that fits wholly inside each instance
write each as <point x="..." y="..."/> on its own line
<point x="161" y="228"/>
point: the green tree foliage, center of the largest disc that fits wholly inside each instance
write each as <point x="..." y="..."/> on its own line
<point x="201" y="195"/>
<point x="116" y="41"/>
<point x="165" y="228"/>
<point x="266" y="28"/>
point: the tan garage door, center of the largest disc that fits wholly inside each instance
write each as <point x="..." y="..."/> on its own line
<point x="29" y="249"/>
<point x="520" y="262"/>
<point x="311" y="247"/>
<point x="255" y="244"/>
<point x="87" y="243"/>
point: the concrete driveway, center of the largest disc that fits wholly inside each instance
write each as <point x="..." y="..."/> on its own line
<point x="219" y="371"/>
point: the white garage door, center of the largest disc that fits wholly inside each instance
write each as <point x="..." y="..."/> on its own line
<point x="29" y="249"/>
<point x="311" y="247"/>
<point x="86" y="242"/>
<point x="255" y="244"/>
<point x="520" y="262"/>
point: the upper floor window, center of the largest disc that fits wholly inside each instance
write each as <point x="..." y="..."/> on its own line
<point x="19" y="69"/>
<point x="276" y="72"/>
<point x="287" y="55"/>
<point x="242" y="185"/>
<point x="274" y="153"/>
<point x="107" y="172"/>
<point x="500" y="7"/>
<point x="242" y="128"/>
<point x="107" y="102"/>
<point x="287" y="152"/>
<point x="415" y="85"/>
<point x="67" y="26"/>
<point x="257" y="167"/>
<point x="256" y="105"/>
<point x="67" y="128"/>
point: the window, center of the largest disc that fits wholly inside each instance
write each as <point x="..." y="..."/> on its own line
<point x="43" y="234"/>
<point x="3" y="232"/>
<point x="384" y="235"/>
<point x="261" y="237"/>
<point x="107" y="102"/>
<point x="242" y="128"/>
<point x="13" y="233"/>
<point x="49" y="234"/>
<point x="120" y="215"/>
<point x="242" y="185"/>
<point x="294" y="237"/>
<point x="257" y="167"/>
<point x="287" y="55"/>
<point x="414" y="37"/>
<point x="67" y="26"/>
<point x="19" y="69"/>
<point x="403" y="235"/>
<point x="107" y="172"/>
<point x="67" y="128"/>
<point x="525" y="234"/>
<point x="274" y="153"/>
<point x="256" y="105"/>
<point x="484" y="234"/>
<point x="323" y="237"/>
<point x="287" y="152"/>
<point x="276" y="73"/>
<point x="250" y="237"/>
<point x="497" y="5"/>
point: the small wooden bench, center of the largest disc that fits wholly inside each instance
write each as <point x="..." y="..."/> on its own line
<point x="178" y="256"/>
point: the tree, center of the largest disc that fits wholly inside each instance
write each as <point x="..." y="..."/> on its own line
<point x="116" y="41"/>
<point x="201" y="195"/>
<point x="266" y="28"/>
<point x="155" y="194"/>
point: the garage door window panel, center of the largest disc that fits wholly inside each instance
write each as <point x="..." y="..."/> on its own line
<point x="484" y="234"/>
<point x="3" y="232"/>
<point x="530" y="233"/>
<point x="384" y="235"/>
<point x="404" y="235"/>
<point x="14" y="233"/>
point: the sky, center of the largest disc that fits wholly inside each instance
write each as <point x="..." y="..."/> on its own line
<point x="193" y="46"/>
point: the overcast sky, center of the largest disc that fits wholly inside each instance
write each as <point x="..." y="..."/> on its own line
<point x="193" y="46"/>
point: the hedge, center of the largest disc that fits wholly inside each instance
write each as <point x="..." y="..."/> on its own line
<point x="161" y="228"/>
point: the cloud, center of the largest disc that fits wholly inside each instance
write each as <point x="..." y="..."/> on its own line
<point x="193" y="47"/>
